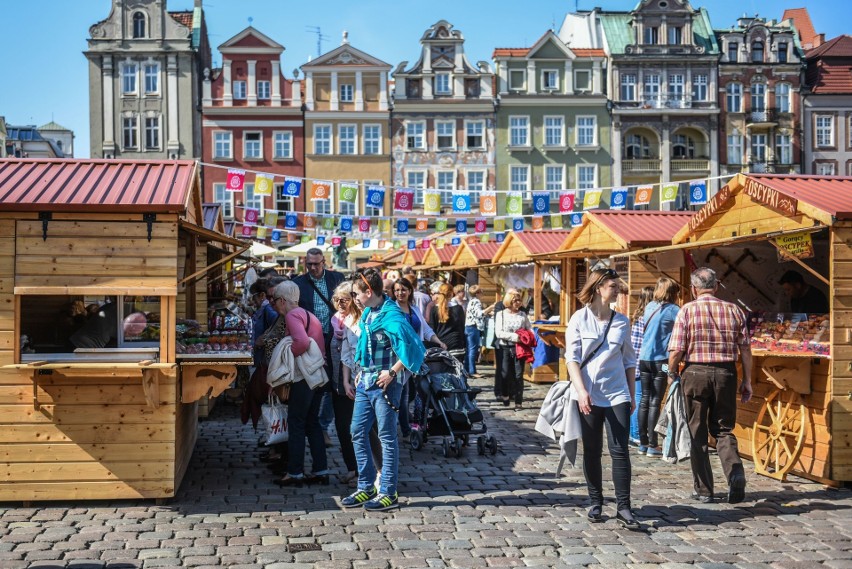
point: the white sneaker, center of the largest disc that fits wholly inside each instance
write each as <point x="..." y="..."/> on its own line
<point x="378" y="483"/>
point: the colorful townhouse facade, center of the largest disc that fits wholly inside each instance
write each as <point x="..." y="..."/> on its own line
<point x="760" y="67"/>
<point x="252" y="121"/>
<point x="443" y="120"/>
<point x="553" y="122"/>
<point x="347" y="127"/>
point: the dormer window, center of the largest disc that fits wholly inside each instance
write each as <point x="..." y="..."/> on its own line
<point x="782" y="52"/>
<point x="652" y="35"/>
<point x="139" y="25"/>
<point x="675" y="35"/>
<point x="757" y="52"/>
<point x="733" y="50"/>
<point x="442" y="84"/>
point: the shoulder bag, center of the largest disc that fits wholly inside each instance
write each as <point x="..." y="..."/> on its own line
<point x="603" y="339"/>
<point x="322" y="296"/>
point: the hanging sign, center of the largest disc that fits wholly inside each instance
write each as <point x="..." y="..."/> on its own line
<point x="770" y="197"/>
<point x="706" y="212"/>
<point x="236" y="180"/>
<point x="795" y="245"/>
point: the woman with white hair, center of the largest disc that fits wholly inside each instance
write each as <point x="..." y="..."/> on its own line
<point x="303" y="408"/>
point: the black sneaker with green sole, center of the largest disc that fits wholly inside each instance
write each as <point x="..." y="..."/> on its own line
<point x="358" y="498"/>
<point x="382" y="502"/>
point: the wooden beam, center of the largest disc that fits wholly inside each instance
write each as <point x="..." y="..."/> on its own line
<point x="800" y="263"/>
<point x="221" y="261"/>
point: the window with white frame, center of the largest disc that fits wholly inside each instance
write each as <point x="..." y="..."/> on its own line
<point x="582" y="80"/>
<point x="519" y="131"/>
<point x="225" y="199"/>
<point x="734" y="97"/>
<point x="416" y="180"/>
<point x="152" y="78"/>
<point x="587" y="176"/>
<point x="347" y="208"/>
<point x="628" y="87"/>
<point x="129" y="133"/>
<point x="554" y="131"/>
<point x="554" y="180"/>
<point x="322" y="139"/>
<point x="758" y="152"/>
<point x="825" y="168"/>
<point x="222" y="143"/>
<point x="370" y="209"/>
<point x="675" y="35"/>
<point x="519" y="179"/>
<point x="824" y="130"/>
<point x="442" y="84"/>
<point x="586" y="131"/>
<point x="239" y="89"/>
<point x="676" y="86"/>
<point x="446" y="182"/>
<point x="475" y="135"/>
<point x="347" y="93"/>
<point x="283" y="203"/>
<point x="699" y="87"/>
<point x="783" y="149"/>
<point x="415" y="138"/>
<point x="322" y="207"/>
<point x="347" y="139"/>
<point x="152" y="133"/>
<point x="263" y="89"/>
<point x="782" y="97"/>
<point x="252" y="145"/>
<point x="372" y="139"/>
<point x="735" y="147"/>
<point x="475" y="185"/>
<point x="445" y="135"/>
<point x="550" y="80"/>
<point x="758" y="97"/>
<point x="517" y="79"/>
<point x="282" y="145"/>
<point x="652" y="86"/>
<point x="129" y="72"/>
<point x="252" y="200"/>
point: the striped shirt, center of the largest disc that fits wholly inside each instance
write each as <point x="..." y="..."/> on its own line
<point x="709" y="330"/>
<point x="321" y="310"/>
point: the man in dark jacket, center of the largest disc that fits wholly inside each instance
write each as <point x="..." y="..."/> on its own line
<point x="316" y="287"/>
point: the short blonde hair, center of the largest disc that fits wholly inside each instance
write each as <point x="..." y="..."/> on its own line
<point x="510" y="294"/>
<point x="473" y="290"/>
<point x="458" y="288"/>
<point x="288" y="290"/>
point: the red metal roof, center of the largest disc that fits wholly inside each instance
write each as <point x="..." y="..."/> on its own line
<point x="445" y="253"/>
<point x="53" y="185"/>
<point x="645" y="228"/>
<point x="418" y="254"/>
<point x="538" y="242"/>
<point x="484" y="252"/>
<point x="831" y="194"/>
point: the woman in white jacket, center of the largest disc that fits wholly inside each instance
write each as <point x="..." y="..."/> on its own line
<point x="506" y="325"/>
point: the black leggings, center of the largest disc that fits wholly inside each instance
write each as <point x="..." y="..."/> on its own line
<point x="511" y="375"/>
<point x="617" y="421"/>
<point x="654" y="382"/>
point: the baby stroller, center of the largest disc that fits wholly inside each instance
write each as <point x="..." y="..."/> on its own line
<point x="445" y="407"/>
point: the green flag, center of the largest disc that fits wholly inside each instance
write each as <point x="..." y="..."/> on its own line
<point x="514" y="203"/>
<point x="668" y="193"/>
<point x="348" y="192"/>
<point x="441" y="224"/>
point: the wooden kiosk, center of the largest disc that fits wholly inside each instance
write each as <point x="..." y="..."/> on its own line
<point x="477" y="256"/>
<point x="102" y="422"/>
<point x="800" y="418"/>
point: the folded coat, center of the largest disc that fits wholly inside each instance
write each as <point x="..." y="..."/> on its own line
<point x="525" y="348"/>
<point x="673" y="426"/>
<point x="284" y="368"/>
<point x="559" y="419"/>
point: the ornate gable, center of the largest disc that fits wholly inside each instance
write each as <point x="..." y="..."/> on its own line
<point x="346" y="55"/>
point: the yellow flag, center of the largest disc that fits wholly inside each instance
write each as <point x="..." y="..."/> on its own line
<point x="263" y="185"/>
<point x="591" y="199"/>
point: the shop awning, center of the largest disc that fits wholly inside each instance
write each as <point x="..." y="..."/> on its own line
<point x="302" y="248"/>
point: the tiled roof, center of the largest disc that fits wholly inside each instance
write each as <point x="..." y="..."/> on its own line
<point x="146" y="186"/>
<point x="587" y="52"/>
<point x="645" y="228"/>
<point x="831" y="194"/>
<point x="802" y="21"/>
<point x="830" y="67"/>
<point x="510" y="51"/>
<point x="182" y="18"/>
<point x="484" y="252"/>
<point x="841" y="46"/>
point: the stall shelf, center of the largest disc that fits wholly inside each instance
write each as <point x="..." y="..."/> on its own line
<point x="102" y="423"/>
<point x="800" y="418"/>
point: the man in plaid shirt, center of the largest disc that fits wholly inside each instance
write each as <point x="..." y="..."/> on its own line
<point x="709" y="334"/>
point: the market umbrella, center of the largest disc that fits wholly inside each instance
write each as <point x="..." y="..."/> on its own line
<point x="258" y="249"/>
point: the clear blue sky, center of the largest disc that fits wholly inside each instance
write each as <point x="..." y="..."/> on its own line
<point x="45" y="75"/>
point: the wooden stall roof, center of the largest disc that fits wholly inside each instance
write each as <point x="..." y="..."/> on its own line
<point x="438" y="257"/>
<point x="413" y="257"/>
<point x="213" y="220"/>
<point x="474" y="254"/>
<point x="612" y="231"/>
<point x="519" y="247"/>
<point x="96" y="186"/>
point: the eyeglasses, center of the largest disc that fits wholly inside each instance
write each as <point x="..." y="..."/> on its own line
<point x="277" y="298"/>
<point x="315" y="264"/>
<point x="342" y="299"/>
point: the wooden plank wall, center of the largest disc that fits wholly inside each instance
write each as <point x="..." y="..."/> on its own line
<point x="93" y="437"/>
<point x="841" y="350"/>
<point x="744" y="217"/>
<point x="87" y="253"/>
<point x="7" y="298"/>
<point x="814" y="461"/>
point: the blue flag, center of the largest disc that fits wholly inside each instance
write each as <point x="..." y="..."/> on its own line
<point x="365" y="244"/>
<point x="501" y="237"/>
<point x="541" y="202"/>
<point x="412" y="244"/>
<point x="375" y="196"/>
<point x="292" y="188"/>
<point x="461" y="202"/>
<point x="576" y="219"/>
<point x="697" y="193"/>
<point x="455" y="241"/>
<point x="276" y="235"/>
<point x="518" y="224"/>
<point x="321" y="240"/>
<point x="402" y="226"/>
<point x="461" y="226"/>
<point x="618" y="199"/>
<point x="346" y="223"/>
<point x="291" y="220"/>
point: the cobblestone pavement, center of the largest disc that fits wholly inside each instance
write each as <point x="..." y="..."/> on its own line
<point x="474" y="511"/>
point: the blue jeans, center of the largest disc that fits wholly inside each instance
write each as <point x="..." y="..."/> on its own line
<point x="371" y="407"/>
<point x="303" y="420"/>
<point x="472" y="334"/>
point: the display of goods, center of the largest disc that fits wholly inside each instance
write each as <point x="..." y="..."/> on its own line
<point x="790" y="333"/>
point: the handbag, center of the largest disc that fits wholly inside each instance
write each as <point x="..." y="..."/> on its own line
<point x="275" y="419"/>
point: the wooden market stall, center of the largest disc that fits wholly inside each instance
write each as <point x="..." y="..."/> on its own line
<point x="477" y="256"/>
<point x="437" y="259"/>
<point x="753" y="231"/>
<point x="521" y="248"/>
<point x="105" y="406"/>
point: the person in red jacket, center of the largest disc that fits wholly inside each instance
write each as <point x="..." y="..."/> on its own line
<point x="507" y="324"/>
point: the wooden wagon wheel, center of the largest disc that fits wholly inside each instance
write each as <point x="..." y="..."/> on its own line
<point x="779" y="433"/>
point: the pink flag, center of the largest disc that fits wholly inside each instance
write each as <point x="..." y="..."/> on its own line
<point x="403" y="199"/>
<point x="364" y="225"/>
<point x="251" y="216"/>
<point x="236" y="180"/>
<point x="480" y="225"/>
<point x="566" y="202"/>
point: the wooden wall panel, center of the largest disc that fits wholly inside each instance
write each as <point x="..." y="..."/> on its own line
<point x="744" y="217"/>
<point x="840" y="407"/>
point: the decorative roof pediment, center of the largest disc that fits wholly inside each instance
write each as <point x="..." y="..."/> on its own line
<point x="548" y="46"/>
<point x="250" y="38"/>
<point x="657" y="6"/>
<point x="346" y="55"/>
<point x="442" y="30"/>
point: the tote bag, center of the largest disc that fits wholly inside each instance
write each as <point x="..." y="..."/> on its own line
<point x="275" y="418"/>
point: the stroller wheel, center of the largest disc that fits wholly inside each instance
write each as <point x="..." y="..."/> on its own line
<point x="458" y="445"/>
<point x="445" y="447"/>
<point x="491" y="444"/>
<point x="480" y="445"/>
<point x="415" y="439"/>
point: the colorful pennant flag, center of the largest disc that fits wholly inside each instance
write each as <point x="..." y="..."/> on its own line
<point x="375" y="196"/>
<point x="471" y="239"/>
<point x="500" y="224"/>
<point x="518" y="224"/>
<point x="541" y="202"/>
<point x="364" y="224"/>
<point x="384" y="225"/>
<point x="236" y="180"/>
<point x="250" y="216"/>
<point x="412" y="244"/>
<point x="514" y="203"/>
<point x="480" y="225"/>
<point x="461" y="226"/>
<point x="556" y="221"/>
<point x="263" y="184"/>
<point x="461" y="201"/>
<point x="335" y="241"/>
<point x="276" y="236"/>
<point x="321" y="240"/>
<point x="431" y="202"/>
<point x="566" y="201"/>
<point x="292" y="188"/>
<point x="320" y="190"/>
<point x="576" y="219"/>
<point x="537" y="223"/>
<point x="304" y="238"/>
<point x="402" y="226"/>
<point x="488" y="204"/>
<point x="270" y="218"/>
<point x="618" y="198"/>
<point x="310" y="221"/>
<point x="440" y="243"/>
<point x="328" y="223"/>
<point x="397" y="244"/>
<point x="291" y="238"/>
<point x="346" y="223"/>
<point x="456" y="241"/>
<point x="484" y="238"/>
<point x="592" y="199"/>
<point x="348" y="192"/>
<point x="698" y="192"/>
<point x="422" y="224"/>
<point x="291" y="220"/>
<point x="643" y="195"/>
<point x="668" y="193"/>
<point x="441" y="224"/>
<point x="365" y="244"/>
<point x="261" y="232"/>
<point x="425" y="244"/>
<point x="247" y="230"/>
<point x="500" y="237"/>
<point x="403" y="199"/>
